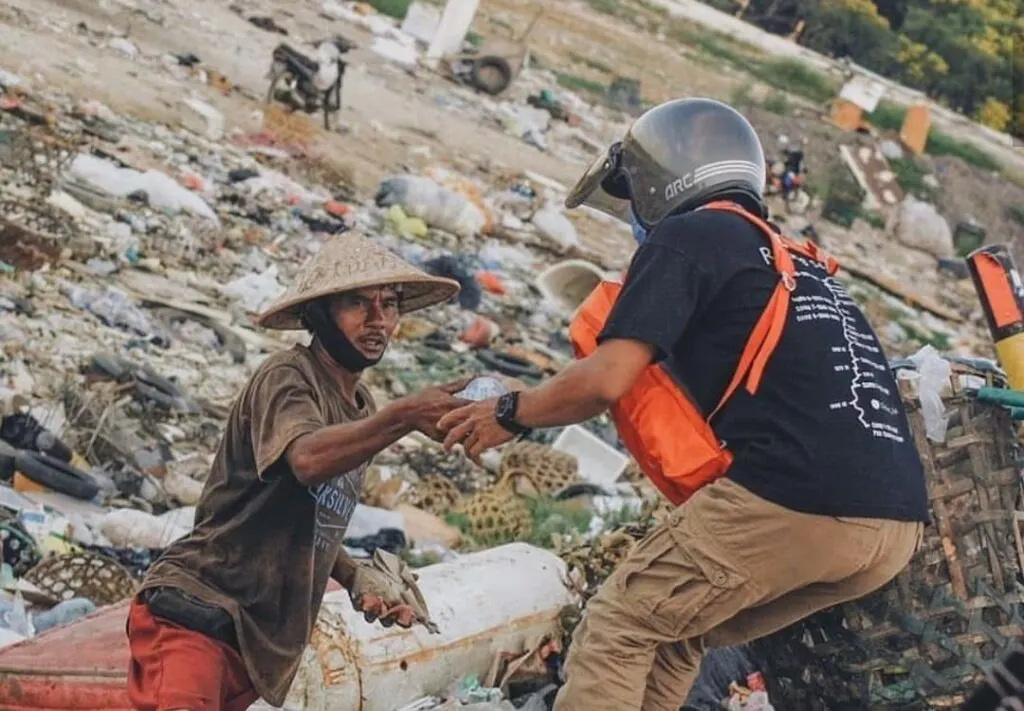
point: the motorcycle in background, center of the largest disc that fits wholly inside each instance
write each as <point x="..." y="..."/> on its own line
<point x="310" y="84"/>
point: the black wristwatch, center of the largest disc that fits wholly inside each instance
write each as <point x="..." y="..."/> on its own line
<point x="505" y="413"/>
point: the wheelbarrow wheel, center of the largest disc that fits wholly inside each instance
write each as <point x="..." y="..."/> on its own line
<point x="491" y="75"/>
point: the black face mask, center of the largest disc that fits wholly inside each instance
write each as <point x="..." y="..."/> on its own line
<point x="316" y="318"/>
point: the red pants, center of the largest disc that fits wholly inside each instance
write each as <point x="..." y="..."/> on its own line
<point x="176" y="668"/>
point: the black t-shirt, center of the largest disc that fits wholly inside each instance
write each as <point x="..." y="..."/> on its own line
<point x="826" y="433"/>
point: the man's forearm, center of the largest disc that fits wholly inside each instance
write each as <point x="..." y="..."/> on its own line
<point x="344" y="569"/>
<point x="586" y="388"/>
<point x="574" y="395"/>
<point x="322" y="455"/>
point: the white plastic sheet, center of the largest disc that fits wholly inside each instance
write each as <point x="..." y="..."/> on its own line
<point x="932" y="377"/>
<point x="161" y="190"/>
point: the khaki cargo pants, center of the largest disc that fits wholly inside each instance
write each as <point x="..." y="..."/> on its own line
<point x="725" y="568"/>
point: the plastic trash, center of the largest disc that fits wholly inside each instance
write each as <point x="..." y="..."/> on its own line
<point x="569" y="283"/>
<point x="438" y="206"/>
<point x="482" y="389"/>
<point x="404" y="225"/>
<point x="757" y="701"/>
<point x="255" y="291"/>
<point x="203" y="119"/>
<point x="449" y="266"/>
<point x="14" y="616"/>
<point x="539" y="700"/>
<point x="472" y="692"/>
<point x="63" y="613"/>
<point x="556" y="227"/>
<point x="116" y="309"/>
<point x="130" y="528"/>
<point x="920" y="226"/>
<point x="932" y="376"/>
<point x="162" y="191"/>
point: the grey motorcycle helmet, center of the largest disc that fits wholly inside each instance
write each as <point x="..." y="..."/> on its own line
<point x="676" y="157"/>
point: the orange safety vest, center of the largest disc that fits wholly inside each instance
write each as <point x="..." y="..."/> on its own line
<point x="660" y="426"/>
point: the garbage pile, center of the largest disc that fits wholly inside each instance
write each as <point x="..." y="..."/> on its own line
<point x="133" y="257"/>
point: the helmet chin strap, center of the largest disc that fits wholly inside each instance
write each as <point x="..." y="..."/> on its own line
<point x="316" y="318"/>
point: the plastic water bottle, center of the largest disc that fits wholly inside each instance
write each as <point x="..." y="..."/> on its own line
<point x="482" y="389"/>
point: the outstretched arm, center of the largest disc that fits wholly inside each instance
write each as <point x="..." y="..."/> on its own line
<point x="581" y="391"/>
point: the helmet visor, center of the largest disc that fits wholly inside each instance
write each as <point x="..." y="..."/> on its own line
<point x="603" y="186"/>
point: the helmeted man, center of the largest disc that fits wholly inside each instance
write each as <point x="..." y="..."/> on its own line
<point x="750" y="389"/>
<point x="226" y="612"/>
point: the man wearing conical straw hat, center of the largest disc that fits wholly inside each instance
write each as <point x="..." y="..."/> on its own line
<point x="225" y="613"/>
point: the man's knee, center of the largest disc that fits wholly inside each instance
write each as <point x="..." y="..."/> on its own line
<point x="673" y="673"/>
<point x="608" y="662"/>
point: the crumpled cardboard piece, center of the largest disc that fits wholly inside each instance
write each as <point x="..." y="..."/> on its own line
<point x="396" y="580"/>
<point x="530" y="663"/>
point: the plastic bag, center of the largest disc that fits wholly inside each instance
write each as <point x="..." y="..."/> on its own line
<point x="255" y="291"/>
<point x="437" y="206"/>
<point x="15" y="617"/>
<point x="482" y="389"/>
<point x="920" y="226"/>
<point x="118" y="310"/>
<point x="933" y="374"/>
<point x="556" y="227"/>
<point x="162" y="191"/>
<point x="129" y="528"/>
<point x="63" y="613"/>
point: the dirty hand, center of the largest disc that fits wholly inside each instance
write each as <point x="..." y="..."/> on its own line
<point x="386" y="589"/>
<point x="475" y="427"/>
<point x="379" y="597"/>
<point x="426" y="407"/>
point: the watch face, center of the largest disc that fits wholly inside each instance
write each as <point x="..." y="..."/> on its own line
<point x="505" y="407"/>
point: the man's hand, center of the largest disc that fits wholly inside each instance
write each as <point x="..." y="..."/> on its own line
<point x="386" y="590"/>
<point x="379" y="598"/>
<point x="475" y="427"/>
<point x="428" y="406"/>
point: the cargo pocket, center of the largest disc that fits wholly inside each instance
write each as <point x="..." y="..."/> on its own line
<point x="708" y="592"/>
<point x="676" y="585"/>
<point x="643" y="579"/>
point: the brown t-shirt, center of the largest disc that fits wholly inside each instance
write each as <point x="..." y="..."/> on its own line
<point x="264" y="545"/>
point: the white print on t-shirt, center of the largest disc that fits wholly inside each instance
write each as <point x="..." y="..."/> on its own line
<point x="335" y="501"/>
<point x="857" y="356"/>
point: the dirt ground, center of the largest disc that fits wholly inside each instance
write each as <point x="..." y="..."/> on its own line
<point x="387" y="110"/>
<point x="389" y="113"/>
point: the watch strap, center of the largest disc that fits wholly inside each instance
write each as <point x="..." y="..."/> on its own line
<point x="505" y="413"/>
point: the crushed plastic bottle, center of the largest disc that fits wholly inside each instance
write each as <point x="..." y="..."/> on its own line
<point x="15" y="617"/>
<point x="483" y="388"/>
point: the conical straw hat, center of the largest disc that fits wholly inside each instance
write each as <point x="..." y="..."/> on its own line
<point x="351" y="262"/>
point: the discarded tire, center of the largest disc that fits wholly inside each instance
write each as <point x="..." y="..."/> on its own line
<point x="57" y="475"/>
<point x="491" y="75"/>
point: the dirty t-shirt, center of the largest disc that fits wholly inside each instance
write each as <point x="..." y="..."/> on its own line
<point x="826" y="433"/>
<point x="264" y="545"/>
